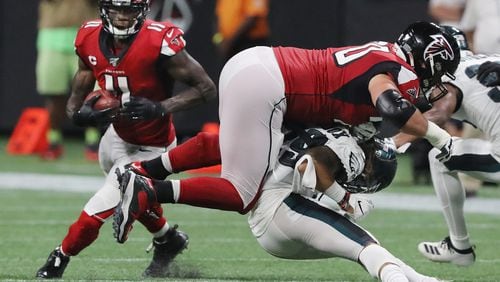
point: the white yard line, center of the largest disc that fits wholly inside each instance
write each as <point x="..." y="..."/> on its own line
<point x="382" y="200"/>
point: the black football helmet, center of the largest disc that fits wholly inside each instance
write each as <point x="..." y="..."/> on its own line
<point x="432" y="54"/>
<point x="137" y="8"/>
<point x="458" y="35"/>
<point x="380" y="167"/>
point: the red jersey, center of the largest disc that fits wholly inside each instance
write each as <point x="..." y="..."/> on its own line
<point x="323" y="86"/>
<point x="134" y="71"/>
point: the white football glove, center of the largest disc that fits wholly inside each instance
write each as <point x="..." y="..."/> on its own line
<point x="445" y="153"/>
<point x="364" y="131"/>
<point x="362" y="207"/>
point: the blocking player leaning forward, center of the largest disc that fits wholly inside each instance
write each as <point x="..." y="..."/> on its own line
<point x="263" y="89"/>
<point x="138" y="60"/>
<point x="470" y="101"/>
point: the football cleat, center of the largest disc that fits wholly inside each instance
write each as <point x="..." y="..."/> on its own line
<point x="444" y="251"/>
<point x="166" y="248"/>
<point x="55" y="265"/>
<point x="137" y="168"/>
<point x="137" y="194"/>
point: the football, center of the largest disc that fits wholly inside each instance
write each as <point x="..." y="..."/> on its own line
<point x="106" y="101"/>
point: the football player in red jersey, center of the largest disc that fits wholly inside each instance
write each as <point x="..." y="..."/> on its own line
<point x="263" y="89"/>
<point x="138" y="60"/>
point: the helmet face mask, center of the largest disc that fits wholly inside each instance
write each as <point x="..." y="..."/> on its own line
<point x="123" y="18"/>
<point x="432" y="54"/>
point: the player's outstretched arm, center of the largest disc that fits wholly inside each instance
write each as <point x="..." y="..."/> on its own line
<point x="440" y="113"/>
<point x="400" y="113"/>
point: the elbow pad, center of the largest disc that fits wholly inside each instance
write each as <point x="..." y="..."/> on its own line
<point x="394" y="108"/>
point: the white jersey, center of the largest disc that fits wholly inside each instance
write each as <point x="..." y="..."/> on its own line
<point x="283" y="180"/>
<point x="480" y="105"/>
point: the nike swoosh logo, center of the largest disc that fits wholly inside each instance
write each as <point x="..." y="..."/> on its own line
<point x="360" y="208"/>
<point x="144" y="150"/>
<point x="170" y="32"/>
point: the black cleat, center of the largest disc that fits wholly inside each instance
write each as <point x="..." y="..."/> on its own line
<point x="137" y="194"/>
<point x="166" y="249"/>
<point x="55" y="265"/>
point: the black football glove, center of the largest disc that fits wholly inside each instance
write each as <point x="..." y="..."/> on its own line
<point x="140" y="108"/>
<point x="489" y="74"/>
<point x="87" y="116"/>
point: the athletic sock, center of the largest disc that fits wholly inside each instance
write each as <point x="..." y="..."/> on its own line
<point x="164" y="191"/>
<point x="392" y="273"/>
<point x="155" y="168"/>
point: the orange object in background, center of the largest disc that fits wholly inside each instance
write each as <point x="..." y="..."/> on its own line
<point x="29" y="135"/>
<point x="212" y="127"/>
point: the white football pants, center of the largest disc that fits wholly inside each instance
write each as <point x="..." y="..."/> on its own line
<point x="251" y="108"/>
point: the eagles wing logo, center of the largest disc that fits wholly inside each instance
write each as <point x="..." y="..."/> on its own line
<point x="439" y="46"/>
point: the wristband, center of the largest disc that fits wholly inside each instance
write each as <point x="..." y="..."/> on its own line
<point x="336" y="193"/>
<point x="437" y="136"/>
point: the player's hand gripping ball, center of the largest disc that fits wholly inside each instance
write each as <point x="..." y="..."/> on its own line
<point x="105" y="101"/>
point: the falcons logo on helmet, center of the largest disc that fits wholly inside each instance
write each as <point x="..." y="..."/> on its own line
<point x="439" y="46"/>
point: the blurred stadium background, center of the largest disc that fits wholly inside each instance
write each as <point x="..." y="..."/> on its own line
<point x="34" y="215"/>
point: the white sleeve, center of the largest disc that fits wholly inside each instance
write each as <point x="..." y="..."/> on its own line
<point x="304" y="184"/>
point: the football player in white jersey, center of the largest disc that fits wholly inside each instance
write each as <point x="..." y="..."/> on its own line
<point x="468" y="101"/>
<point x="287" y="223"/>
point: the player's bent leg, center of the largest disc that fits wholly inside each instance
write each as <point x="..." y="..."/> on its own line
<point x="455" y="249"/>
<point x="168" y="242"/>
<point x="80" y="235"/>
<point x="83" y="232"/>
<point x="303" y="229"/>
<point x="380" y="263"/>
<point x="207" y="192"/>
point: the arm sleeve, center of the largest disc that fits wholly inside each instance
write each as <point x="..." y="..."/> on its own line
<point x="173" y="42"/>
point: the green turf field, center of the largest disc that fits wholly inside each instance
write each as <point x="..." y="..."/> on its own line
<point x="221" y="245"/>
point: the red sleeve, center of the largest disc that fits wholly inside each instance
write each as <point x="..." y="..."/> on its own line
<point x="173" y="41"/>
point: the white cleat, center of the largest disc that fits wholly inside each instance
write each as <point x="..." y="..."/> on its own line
<point x="444" y="251"/>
